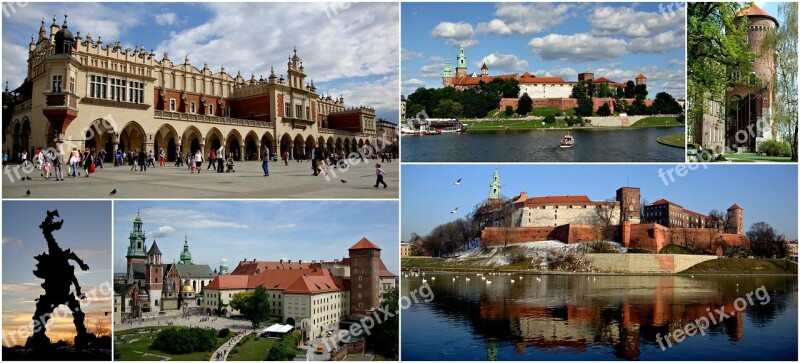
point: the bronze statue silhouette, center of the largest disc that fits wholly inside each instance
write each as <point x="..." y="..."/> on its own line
<point x="58" y="275"/>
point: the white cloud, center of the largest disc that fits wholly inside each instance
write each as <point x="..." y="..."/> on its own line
<point x="627" y="21"/>
<point x="163" y="231"/>
<point x="381" y="93"/>
<point x="434" y="68"/>
<point x="660" y="43"/>
<point x="188" y="219"/>
<point x="407" y="54"/>
<point x="580" y="47"/>
<point x="455" y="34"/>
<point x="503" y="62"/>
<point x="12" y="241"/>
<point x="526" y="18"/>
<point x="568" y="74"/>
<point x="165" y="18"/>
<point x="676" y="62"/>
<point x="411" y="85"/>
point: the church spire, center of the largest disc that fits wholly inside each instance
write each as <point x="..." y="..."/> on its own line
<point x="494" y="188"/>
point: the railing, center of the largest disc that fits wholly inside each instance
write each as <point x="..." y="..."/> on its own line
<point x="181" y="116"/>
<point x="23" y="106"/>
<point x="60" y="101"/>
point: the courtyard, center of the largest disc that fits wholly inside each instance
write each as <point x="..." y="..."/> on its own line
<point x="285" y="181"/>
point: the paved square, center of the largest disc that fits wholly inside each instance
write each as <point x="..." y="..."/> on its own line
<point x="292" y="181"/>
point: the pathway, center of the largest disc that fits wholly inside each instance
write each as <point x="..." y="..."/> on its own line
<point x="222" y="352"/>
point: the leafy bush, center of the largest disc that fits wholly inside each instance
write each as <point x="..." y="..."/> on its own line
<point x="184" y="340"/>
<point x="509" y="111"/>
<point x="224" y="332"/>
<point x="775" y="148"/>
<point x="284" y="349"/>
<point x="549" y="119"/>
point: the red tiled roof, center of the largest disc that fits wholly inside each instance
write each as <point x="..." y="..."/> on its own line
<point x="315" y="283"/>
<point x="640" y="76"/>
<point x="603" y="80"/>
<point x="363" y="244"/>
<point x="662" y="201"/>
<point x="558" y="199"/>
<point x="249" y="268"/>
<point x="228" y="282"/>
<point x="734" y="206"/>
<point x="294" y="281"/>
<point x="383" y="271"/>
<point x="753" y="10"/>
<point x="474" y="81"/>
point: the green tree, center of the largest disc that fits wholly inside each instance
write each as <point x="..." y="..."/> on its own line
<point x="665" y="104"/>
<point x="525" y="105"/>
<point x="385" y="337"/>
<point x="630" y="89"/>
<point x="585" y="107"/>
<point x="448" y="108"/>
<point x="285" y="349"/>
<point x="784" y="43"/>
<point x="509" y="110"/>
<point x="549" y="119"/>
<point x="604" y="110"/>
<point x="717" y="51"/>
<point x="620" y="92"/>
<point x="254" y="305"/>
<point x="640" y="92"/>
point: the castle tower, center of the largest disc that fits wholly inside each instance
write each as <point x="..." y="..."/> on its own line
<point x="461" y="64"/>
<point x="495" y="187"/>
<point x="186" y="256"/>
<point x="154" y="276"/>
<point x="484" y="70"/>
<point x="447" y="75"/>
<point x="641" y="79"/>
<point x="136" y="247"/>
<point x="223" y="266"/>
<point x="630" y="202"/>
<point x="735" y="220"/>
<point x="757" y="89"/>
<point x="364" y="281"/>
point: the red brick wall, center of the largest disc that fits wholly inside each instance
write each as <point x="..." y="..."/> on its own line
<point x="258" y="105"/>
<point x="568" y="233"/>
<point x="563" y="103"/>
<point x="281" y="106"/>
<point x="349" y="122"/>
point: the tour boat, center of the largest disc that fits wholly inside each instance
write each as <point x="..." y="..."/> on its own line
<point x="567" y="141"/>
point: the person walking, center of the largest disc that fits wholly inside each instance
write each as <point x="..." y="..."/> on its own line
<point x="379" y="173"/>
<point x="151" y="159"/>
<point x="198" y="160"/>
<point x="221" y="159"/>
<point x="314" y="156"/>
<point x="24" y="157"/>
<point x="5" y="159"/>
<point x="285" y="158"/>
<point x="88" y="162"/>
<point x="132" y="159"/>
<point x="265" y="160"/>
<point x="212" y="157"/>
<point x="162" y="162"/>
<point x="142" y="161"/>
<point x="58" y="162"/>
<point x="101" y="157"/>
<point x="73" y="162"/>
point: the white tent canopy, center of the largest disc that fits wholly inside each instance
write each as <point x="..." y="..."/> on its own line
<point x="278" y="328"/>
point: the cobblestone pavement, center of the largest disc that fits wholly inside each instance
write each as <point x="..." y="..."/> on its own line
<point x="292" y="181"/>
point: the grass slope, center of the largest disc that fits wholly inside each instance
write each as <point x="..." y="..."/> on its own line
<point x="657" y="121"/>
<point x="745" y="265"/>
<point x="254" y="349"/>
<point x="674" y="140"/>
<point x="130" y="342"/>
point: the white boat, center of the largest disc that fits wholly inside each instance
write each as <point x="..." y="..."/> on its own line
<point x="567" y="141"/>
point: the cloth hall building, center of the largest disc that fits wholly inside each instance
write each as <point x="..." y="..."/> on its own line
<point x="82" y="92"/>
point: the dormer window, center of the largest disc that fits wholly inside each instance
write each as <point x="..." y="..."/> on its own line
<point x="57" y="82"/>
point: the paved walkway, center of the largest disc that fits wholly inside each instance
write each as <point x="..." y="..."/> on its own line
<point x="292" y="181"/>
<point x="222" y="352"/>
<point x="192" y="321"/>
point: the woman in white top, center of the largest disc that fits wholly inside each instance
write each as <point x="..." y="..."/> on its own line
<point x="198" y="161"/>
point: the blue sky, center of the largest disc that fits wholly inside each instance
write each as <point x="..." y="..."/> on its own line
<point x="766" y="192"/>
<point x="264" y="230"/>
<point x="86" y="231"/>
<point x="547" y="39"/>
<point x="348" y="49"/>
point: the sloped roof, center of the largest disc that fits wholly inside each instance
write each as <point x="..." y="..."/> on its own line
<point x="290" y="281"/>
<point x="640" y="76"/>
<point x="154" y="249"/>
<point x="364" y="244"/>
<point x="196" y="271"/>
<point x="754" y="11"/>
<point x="383" y="271"/>
<point x="662" y="201"/>
<point x="528" y="78"/>
<point x="558" y="199"/>
<point x="734" y="206"/>
<point x="250" y="268"/>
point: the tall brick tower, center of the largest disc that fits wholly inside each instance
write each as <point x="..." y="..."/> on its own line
<point x="447" y="75"/>
<point x="735" y="220"/>
<point x="755" y="93"/>
<point x="154" y="276"/>
<point x="364" y="279"/>
<point x="630" y="202"/>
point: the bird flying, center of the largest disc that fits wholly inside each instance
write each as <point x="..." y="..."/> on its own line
<point x="454" y="211"/>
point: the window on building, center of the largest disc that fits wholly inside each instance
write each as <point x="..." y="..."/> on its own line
<point x="227" y="112"/>
<point x="210" y="109"/>
<point x="308" y="113"/>
<point x="287" y="110"/>
<point x="136" y="91"/>
<point x="192" y="107"/>
<point x="97" y="86"/>
<point x="57" y="80"/>
<point x="72" y="84"/>
<point x="117" y="89"/>
<point x="298" y="111"/>
<point x="172" y="104"/>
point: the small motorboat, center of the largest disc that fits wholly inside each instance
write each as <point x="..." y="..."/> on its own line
<point x="567" y="141"/>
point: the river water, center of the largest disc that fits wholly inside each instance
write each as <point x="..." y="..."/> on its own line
<point x="575" y="317"/>
<point x="592" y="145"/>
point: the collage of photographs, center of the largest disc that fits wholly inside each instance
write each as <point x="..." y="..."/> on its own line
<point x="445" y="181"/>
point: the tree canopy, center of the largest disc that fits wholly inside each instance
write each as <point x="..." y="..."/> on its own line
<point x="254" y="305"/>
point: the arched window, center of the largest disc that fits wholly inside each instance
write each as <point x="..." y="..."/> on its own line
<point x="156" y="303"/>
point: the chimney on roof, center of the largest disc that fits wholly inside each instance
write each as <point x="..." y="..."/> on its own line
<point x="258" y="271"/>
<point x="281" y="260"/>
<point x="290" y="261"/>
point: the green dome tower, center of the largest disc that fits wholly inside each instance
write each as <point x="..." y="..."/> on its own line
<point x="186" y="256"/>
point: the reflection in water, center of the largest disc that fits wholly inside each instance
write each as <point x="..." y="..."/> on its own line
<point x="596" y="317"/>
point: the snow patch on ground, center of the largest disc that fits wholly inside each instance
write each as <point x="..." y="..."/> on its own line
<point x="540" y="252"/>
